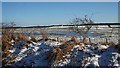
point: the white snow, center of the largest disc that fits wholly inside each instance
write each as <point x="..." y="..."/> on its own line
<point x="36" y="53"/>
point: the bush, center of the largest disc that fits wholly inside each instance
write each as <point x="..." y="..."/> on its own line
<point x="83" y="31"/>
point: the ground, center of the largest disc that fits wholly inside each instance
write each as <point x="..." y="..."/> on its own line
<point x="38" y="54"/>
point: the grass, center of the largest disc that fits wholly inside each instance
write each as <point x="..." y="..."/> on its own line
<point x="107" y="43"/>
<point x="54" y="56"/>
<point x="33" y="39"/>
<point x="68" y="49"/>
<point x="44" y="36"/>
<point x="21" y="37"/>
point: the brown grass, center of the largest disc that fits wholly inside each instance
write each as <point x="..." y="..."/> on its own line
<point x="21" y="37"/>
<point x="82" y="45"/>
<point x="118" y="46"/>
<point x="7" y="37"/>
<point x="33" y="39"/>
<point x="56" y="56"/>
<point x="6" y="42"/>
<point x="6" y="53"/>
<point x="4" y="62"/>
<point x="74" y="38"/>
<point x="87" y="41"/>
<point x="67" y="49"/>
<point x="107" y="43"/>
<point x="84" y="62"/>
<point x="45" y="36"/>
<point x="12" y="60"/>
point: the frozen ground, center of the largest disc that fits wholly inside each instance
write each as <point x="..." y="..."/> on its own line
<point x="35" y="54"/>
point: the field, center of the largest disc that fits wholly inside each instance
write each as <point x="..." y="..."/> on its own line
<point x="59" y="47"/>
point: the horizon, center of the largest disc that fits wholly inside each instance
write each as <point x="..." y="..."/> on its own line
<point x="49" y="13"/>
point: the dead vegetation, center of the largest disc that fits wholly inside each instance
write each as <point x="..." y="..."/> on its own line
<point x="75" y="40"/>
<point x="8" y="37"/>
<point x="44" y="34"/>
<point x="107" y="43"/>
<point x="83" y="31"/>
<point x="118" y="46"/>
<point x="56" y="55"/>
<point x="6" y="41"/>
<point x="6" y="53"/>
<point x="67" y="49"/>
<point x="33" y="39"/>
<point x="21" y="37"/>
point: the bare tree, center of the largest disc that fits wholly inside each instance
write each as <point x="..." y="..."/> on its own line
<point x="82" y="30"/>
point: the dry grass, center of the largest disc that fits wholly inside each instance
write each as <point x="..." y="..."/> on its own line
<point x="118" y="46"/>
<point x="84" y="62"/>
<point x="107" y="43"/>
<point x="56" y="55"/>
<point x="33" y="39"/>
<point x="4" y="62"/>
<point x="82" y="45"/>
<point x="67" y="49"/>
<point x="7" y="37"/>
<point x="6" y="42"/>
<point x="21" y="37"/>
<point x="44" y="36"/>
<point x="74" y="39"/>
<point x="86" y="41"/>
<point x="12" y="60"/>
<point x="6" y="53"/>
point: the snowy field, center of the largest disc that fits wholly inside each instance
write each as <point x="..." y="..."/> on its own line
<point x="38" y="53"/>
<point x="61" y="51"/>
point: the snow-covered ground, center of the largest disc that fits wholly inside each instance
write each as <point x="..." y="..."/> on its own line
<point x="36" y="54"/>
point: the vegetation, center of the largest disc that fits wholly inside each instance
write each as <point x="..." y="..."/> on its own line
<point x="83" y="31"/>
<point x="57" y="53"/>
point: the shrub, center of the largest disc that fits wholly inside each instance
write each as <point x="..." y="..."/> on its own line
<point x="83" y="31"/>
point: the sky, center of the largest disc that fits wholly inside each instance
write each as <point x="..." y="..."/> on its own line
<point x="49" y="13"/>
<point x="0" y="11"/>
<point x="60" y="0"/>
